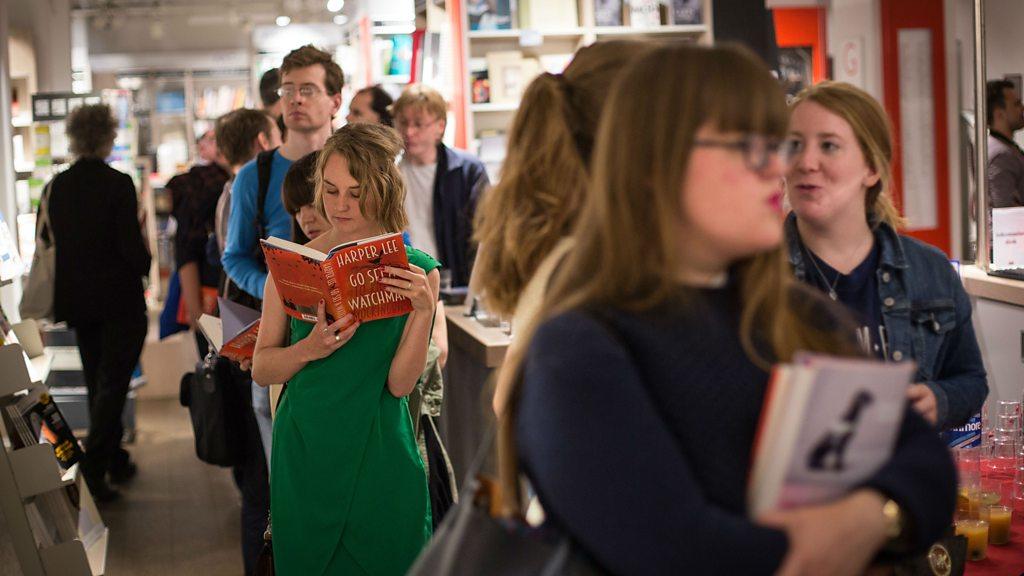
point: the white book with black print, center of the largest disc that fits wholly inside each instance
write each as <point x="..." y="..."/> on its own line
<point x="827" y="425"/>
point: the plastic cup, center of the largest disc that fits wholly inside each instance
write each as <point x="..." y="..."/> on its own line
<point x="976" y="532"/>
<point x="998" y="518"/>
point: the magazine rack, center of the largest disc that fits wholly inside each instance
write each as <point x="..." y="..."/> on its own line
<point x="51" y="534"/>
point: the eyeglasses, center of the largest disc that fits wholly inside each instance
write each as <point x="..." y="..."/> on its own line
<point x="306" y="91"/>
<point x="757" y="150"/>
<point x="401" y="124"/>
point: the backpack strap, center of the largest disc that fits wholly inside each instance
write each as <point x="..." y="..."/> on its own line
<point x="264" y="162"/>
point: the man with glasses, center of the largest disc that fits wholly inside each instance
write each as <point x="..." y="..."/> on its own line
<point x="310" y="93"/>
<point x="443" y="185"/>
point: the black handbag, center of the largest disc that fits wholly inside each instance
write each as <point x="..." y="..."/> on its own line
<point x="475" y="538"/>
<point x="214" y="403"/>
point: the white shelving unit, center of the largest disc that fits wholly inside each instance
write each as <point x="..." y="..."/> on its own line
<point x="30" y="477"/>
<point x="485" y="120"/>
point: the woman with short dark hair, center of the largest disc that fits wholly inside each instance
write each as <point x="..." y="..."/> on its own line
<point x="101" y="259"/>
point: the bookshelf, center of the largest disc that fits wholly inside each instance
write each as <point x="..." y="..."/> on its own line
<point x="51" y="519"/>
<point x="547" y="47"/>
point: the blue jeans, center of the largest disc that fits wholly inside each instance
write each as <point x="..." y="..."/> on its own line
<point x="261" y="407"/>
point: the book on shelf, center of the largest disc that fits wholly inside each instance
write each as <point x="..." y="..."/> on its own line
<point x="490" y="14"/>
<point x="547" y="15"/>
<point x="827" y="425"/>
<point x="35" y="418"/>
<point x="646" y="13"/>
<point x="234" y="334"/>
<point x="686" y="12"/>
<point x="347" y="277"/>
<point x="479" y="82"/>
<point x="608" y="12"/>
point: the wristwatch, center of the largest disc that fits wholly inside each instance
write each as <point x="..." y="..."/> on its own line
<point x="897" y="531"/>
<point x="893" y="519"/>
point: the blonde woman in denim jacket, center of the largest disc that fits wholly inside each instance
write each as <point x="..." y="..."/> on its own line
<point x="842" y="239"/>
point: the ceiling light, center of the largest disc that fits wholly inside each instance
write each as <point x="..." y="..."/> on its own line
<point x="340" y="19"/>
<point x="335" y="5"/>
<point x="283" y="21"/>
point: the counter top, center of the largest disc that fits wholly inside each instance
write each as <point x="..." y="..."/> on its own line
<point x="979" y="284"/>
<point x="485" y="345"/>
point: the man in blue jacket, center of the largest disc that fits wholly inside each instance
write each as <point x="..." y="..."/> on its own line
<point x="443" y="185"/>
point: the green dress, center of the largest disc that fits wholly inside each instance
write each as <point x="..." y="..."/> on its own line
<point x="348" y="490"/>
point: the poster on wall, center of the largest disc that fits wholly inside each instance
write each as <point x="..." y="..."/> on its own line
<point x="796" y="68"/>
<point x="917" y="127"/>
<point x="850" y="64"/>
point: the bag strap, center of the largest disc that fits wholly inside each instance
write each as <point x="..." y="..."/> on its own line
<point x="44" y="231"/>
<point x="264" y="162"/>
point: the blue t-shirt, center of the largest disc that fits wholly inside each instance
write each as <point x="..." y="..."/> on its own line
<point x="239" y="261"/>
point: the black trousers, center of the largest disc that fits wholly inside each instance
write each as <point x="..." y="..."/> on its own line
<point x="109" y="351"/>
<point x="252" y="477"/>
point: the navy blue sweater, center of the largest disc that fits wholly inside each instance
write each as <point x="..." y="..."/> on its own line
<point x="642" y="455"/>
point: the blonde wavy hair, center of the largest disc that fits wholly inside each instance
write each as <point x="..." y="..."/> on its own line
<point x="871" y="126"/>
<point x="544" y="178"/>
<point x="370" y="151"/>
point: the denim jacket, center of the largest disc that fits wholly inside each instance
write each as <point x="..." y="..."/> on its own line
<point x="927" y="316"/>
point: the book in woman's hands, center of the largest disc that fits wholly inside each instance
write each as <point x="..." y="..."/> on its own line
<point x="234" y="334"/>
<point x="347" y="278"/>
<point x="827" y="425"/>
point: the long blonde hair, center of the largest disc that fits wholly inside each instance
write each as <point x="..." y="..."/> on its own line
<point x="871" y="126"/>
<point x="544" y="178"/>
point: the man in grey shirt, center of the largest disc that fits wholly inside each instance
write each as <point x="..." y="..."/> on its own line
<point x="1005" y="158"/>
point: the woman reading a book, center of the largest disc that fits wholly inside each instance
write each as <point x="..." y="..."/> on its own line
<point x="348" y="490"/>
<point x="524" y="221"/>
<point x="643" y="385"/>
<point x="842" y="239"/>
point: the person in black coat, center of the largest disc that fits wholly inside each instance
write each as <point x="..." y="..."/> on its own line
<point x="101" y="259"/>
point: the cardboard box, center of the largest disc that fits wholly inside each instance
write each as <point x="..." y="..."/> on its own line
<point x="164" y="362"/>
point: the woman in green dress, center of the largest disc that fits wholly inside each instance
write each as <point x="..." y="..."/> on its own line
<point x="348" y="491"/>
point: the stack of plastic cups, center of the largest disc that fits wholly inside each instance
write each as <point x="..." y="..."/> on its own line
<point x="1006" y="439"/>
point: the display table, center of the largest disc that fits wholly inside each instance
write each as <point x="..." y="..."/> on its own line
<point x="979" y="284"/>
<point x="474" y="351"/>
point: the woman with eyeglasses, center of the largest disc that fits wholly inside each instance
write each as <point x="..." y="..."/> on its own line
<point x="644" y="383"/>
<point x="842" y="239"/>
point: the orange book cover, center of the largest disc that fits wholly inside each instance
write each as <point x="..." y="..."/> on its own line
<point x="346" y="278"/>
<point x="234" y="334"/>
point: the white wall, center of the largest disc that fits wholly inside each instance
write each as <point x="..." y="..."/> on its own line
<point x="858" y="20"/>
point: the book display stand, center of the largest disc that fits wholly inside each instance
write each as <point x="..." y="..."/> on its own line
<point x="50" y="515"/>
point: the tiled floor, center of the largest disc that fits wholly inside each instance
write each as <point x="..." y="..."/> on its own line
<point x="178" y="516"/>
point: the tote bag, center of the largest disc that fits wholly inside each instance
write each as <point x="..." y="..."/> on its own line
<point x="37" y="298"/>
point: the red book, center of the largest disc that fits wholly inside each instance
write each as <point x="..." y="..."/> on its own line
<point x="347" y="277"/>
<point x="233" y="335"/>
<point x="207" y="299"/>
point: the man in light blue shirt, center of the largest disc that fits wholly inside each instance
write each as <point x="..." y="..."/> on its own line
<point x="310" y="92"/>
<point x="311" y="85"/>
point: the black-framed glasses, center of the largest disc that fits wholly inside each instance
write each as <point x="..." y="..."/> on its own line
<point x="757" y="150"/>
<point x="306" y="91"/>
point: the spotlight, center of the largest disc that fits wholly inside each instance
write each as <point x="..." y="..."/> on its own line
<point x="335" y="5"/>
<point x="283" y="21"/>
<point x="340" y="19"/>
